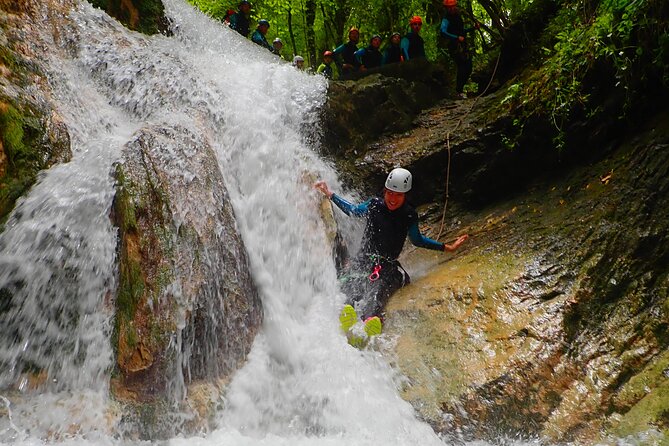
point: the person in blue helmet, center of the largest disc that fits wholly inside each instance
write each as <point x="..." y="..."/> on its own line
<point x="370" y="57"/>
<point x="375" y="273"/>
<point x="239" y="21"/>
<point x="393" y="52"/>
<point x="259" y="35"/>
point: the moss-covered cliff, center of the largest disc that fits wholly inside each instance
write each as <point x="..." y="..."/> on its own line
<point x="32" y="136"/>
<point x="145" y="16"/>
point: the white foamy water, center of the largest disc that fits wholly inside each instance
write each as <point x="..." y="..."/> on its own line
<point x="302" y="384"/>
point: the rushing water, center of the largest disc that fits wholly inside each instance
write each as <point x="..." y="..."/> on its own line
<point x="302" y="383"/>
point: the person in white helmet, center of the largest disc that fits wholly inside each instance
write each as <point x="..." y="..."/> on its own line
<point x="375" y="273"/>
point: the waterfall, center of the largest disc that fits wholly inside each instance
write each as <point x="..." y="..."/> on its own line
<point x="302" y="383"/>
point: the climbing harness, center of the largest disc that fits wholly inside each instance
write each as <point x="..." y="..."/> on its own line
<point x="375" y="274"/>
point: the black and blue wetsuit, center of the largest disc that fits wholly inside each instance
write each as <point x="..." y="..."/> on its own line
<point x="382" y="243"/>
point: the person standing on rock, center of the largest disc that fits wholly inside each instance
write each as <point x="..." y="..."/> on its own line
<point x="413" y="46"/>
<point x="239" y="21"/>
<point x="453" y="29"/>
<point x="375" y="273"/>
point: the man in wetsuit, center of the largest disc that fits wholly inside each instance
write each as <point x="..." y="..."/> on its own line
<point x="375" y="273"/>
<point x="393" y="52"/>
<point x="453" y="29"/>
<point x="371" y="56"/>
<point x="239" y="21"/>
<point x="413" y="46"/>
<point x="259" y="34"/>
<point x="349" y="64"/>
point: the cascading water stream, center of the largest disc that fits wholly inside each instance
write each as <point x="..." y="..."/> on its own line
<point x="302" y="383"/>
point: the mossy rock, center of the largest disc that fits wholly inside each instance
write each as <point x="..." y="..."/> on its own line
<point x="145" y="16"/>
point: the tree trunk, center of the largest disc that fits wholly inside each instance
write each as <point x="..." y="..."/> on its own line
<point x="310" y="16"/>
<point x="291" y="32"/>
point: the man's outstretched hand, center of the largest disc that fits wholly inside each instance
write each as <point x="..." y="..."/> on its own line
<point x="456" y="244"/>
<point x="323" y="187"/>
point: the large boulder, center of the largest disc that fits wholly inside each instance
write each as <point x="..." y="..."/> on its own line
<point x="187" y="310"/>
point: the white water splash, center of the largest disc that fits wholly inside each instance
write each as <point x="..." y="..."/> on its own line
<point x="303" y="384"/>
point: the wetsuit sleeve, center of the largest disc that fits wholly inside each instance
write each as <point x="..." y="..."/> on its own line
<point x="443" y="29"/>
<point x="418" y="239"/>
<point x="358" y="210"/>
<point x="337" y="51"/>
<point x="358" y="55"/>
<point x="320" y="68"/>
<point x="404" y="44"/>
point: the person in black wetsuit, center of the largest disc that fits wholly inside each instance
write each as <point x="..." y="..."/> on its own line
<point x="453" y="29"/>
<point x="349" y="64"/>
<point x="413" y="46"/>
<point x="393" y="52"/>
<point x="239" y="21"/>
<point x="375" y="273"/>
<point x="370" y="57"/>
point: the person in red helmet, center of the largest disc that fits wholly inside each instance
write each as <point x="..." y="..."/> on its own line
<point x="453" y="29"/>
<point x="346" y="52"/>
<point x="413" y="46"/>
<point x="328" y="68"/>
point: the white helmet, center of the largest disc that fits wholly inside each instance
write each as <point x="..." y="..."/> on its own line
<point x="399" y="180"/>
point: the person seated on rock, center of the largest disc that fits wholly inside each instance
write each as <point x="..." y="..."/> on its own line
<point x="239" y="21"/>
<point x="453" y="29"/>
<point x="375" y="273"/>
<point x="346" y="52"/>
<point x="277" y="45"/>
<point x="328" y="68"/>
<point x="298" y="62"/>
<point x="370" y="57"/>
<point x="393" y="52"/>
<point x="259" y="35"/>
<point x="413" y="46"/>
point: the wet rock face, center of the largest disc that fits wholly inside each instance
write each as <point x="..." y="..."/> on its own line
<point x="387" y="101"/>
<point x="33" y="135"/>
<point x="187" y="309"/>
<point x="553" y="320"/>
<point x="146" y="16"/>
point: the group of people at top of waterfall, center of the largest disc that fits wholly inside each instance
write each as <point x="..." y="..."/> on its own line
<point x="347" y="60"/>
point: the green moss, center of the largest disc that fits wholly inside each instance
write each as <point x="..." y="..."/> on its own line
<point x="647" y="396"/>
<point x="123" y="207"/>
<point x="20" y="139"/>
<point x="131" y="288"/>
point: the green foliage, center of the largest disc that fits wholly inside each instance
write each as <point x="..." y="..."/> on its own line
<point x="289" y="21"/>
<point x="580" y="44"/>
